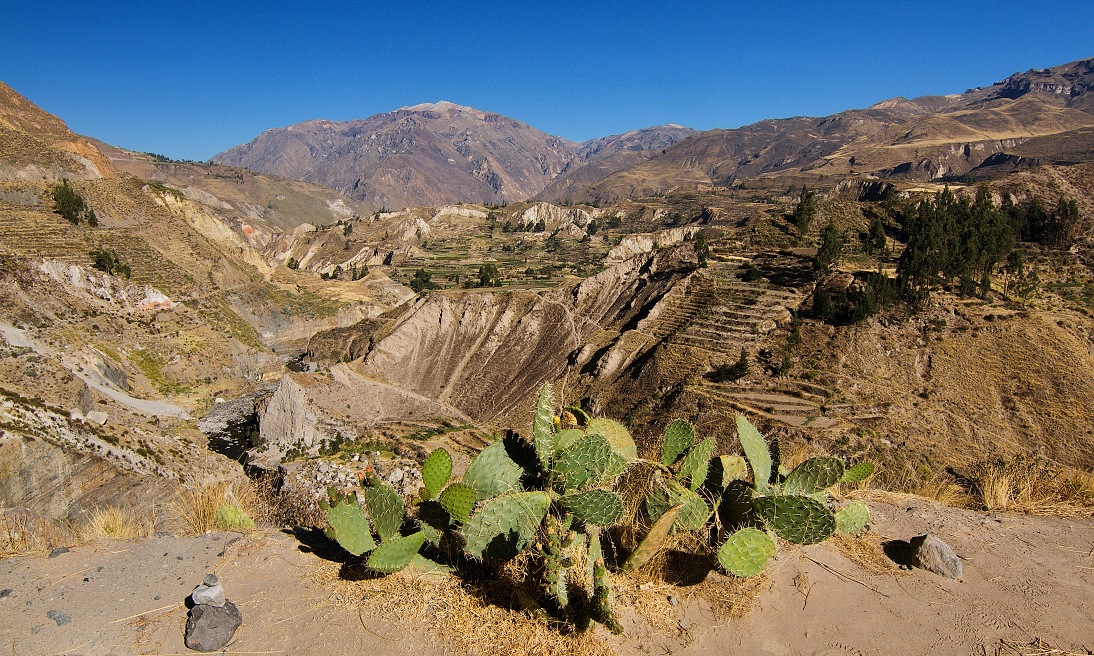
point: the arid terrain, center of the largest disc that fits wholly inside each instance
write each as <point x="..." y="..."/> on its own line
<point x="328" y="305"/>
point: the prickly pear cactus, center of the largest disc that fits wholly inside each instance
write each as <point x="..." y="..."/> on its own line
<point x="678" y="438"/>
<point x="505" y="525"/>
<point x="797" y="519"/>
<point x="691" y="517"/>
<point x="695" y="464"/>
<point x="395" y="553"/>
<point x="746" y="551"/>
<point x="755" y="448"/>
<point x="814" y="475"/>
<point x="386" y="508"/>
<point x="858" y="473"/>
<point x="493" y="472"/>
<point x="436" y="470"/>
<point x="597" y="507"/>
<point x="458" y="500"/>
<point x="591" y="461"/>
<point x="853" y="517"/>
<point x="348" y="525"/>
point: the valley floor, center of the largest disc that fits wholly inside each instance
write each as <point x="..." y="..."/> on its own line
<point x="1026" y="590"/>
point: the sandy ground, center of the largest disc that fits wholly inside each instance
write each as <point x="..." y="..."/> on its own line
<point x="1028" y="581"/>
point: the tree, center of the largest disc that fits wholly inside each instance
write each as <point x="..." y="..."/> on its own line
<point x="805" y="210"/>
<point x="732" y="372"/>
<point x="108" y="261"/>
<point x="489" y="276"/>
<point x="830" y="249"/>
<point x="875" y="237"/>
<point x="293" y="263"/>
<point x="421" y="280"/>
<point x="702" y="250"/>
<point x="68" y="203"/>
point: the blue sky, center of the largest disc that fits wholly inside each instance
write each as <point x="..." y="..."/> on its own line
<point x="189" y="80"/>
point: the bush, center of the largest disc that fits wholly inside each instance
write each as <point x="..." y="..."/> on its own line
<point x="108" y="261"/>
<point x="69" y="204"/>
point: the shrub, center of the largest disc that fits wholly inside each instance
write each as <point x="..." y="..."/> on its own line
<point x="68" y="203"/>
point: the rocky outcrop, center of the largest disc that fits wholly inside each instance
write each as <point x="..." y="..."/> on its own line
<point x="544" y="217"/>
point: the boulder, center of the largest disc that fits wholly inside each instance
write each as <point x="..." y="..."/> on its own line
<point x="929" y="552"/>
<point x="209" y="628"/>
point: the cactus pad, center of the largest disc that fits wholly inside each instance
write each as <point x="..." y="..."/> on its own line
<point x="726" y="469"/>
<point x="858" y="473"/>
<point x="616" y="434"/>
<point x="589" y="462"/>
<point x="459" y="500"/>
<point x="599" y="507"/>
<point x="797" y="519"/>
<point x="746" y="551"/>
<point x="493" y="472"/>
<point x="678" y="438"/>
<point x="564" y="439"/>
<point x="853" y="517"/>
<point x="349" y="527"/>
<point x="654" y="540"/>
<point x="543" y="426"/>
<point x="814" y="475"/>
<point x="386" y="509"/>
<point x="436" y="470"/>
<point x="693" y="514"/>
<point x="759" y="458"/>
<point x="697" y="459"/>
<point x="505" y="525"/>
<point x="395" y="553"/>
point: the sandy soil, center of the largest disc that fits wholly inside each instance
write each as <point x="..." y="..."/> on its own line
<point x="1028" y="581"/>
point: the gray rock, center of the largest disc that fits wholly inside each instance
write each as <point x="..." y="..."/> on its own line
<point x="929" y="552"/>
<point x="60" y="618"/>
<point x="211" y="627"/>
<point x="209" y="593"/>
<point x="58" y="551"/>
<point x="97" y="417"/>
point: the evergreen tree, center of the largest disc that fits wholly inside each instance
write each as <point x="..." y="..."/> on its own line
<point x="68" y="203"/>
<point x="830" y="249"/>
<point x="804" y="211"/>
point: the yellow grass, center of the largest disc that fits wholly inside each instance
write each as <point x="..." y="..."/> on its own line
<point x="1026" y="485"/>
<point x="198" y="505"/>
<point x="116" y="523"/>
<point x="24" y="532"/>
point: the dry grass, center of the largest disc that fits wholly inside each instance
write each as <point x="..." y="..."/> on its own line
<point x="866" y="552"/>
<point x="1036" y="648"/>
<point x="466" y="619"/>
<point x="198" y="506"/>
<point x="24" y="532"/>
<point x="1027" y="485"/>
<point x="116" y="523"/>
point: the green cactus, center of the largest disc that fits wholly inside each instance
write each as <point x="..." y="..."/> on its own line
<point x="678" y="438"/>
<point x="746" y="551"/>
<point x="395" y="553"/>
<point x="796" y="519"/>
<point x="348" y="526"/>
<point x="695" y="464"/>
<point x="755" y="448"/>
<point x="436" y="470"/>
<point x="505" y="525"/>
<point x="543" y="427"/>
<point x="725" y="469"/>
<point x="853" y="517"/>
<point x="565" y="439"/>
<point x="691" y="517"/>
<point x="599" y="507"/>
<point x="858" y="473"/>
<point x="813" y="475"/>
<point x="616" y="434"/>
<point x="603" y="599"/>
<point x="493" y="472"/>
<point x="386" y="509"/>
<point x="654" y="540"/>
<point x="591" y="461"/>
<point x="458" y="500"/>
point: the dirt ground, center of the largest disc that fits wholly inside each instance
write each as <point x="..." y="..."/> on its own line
<point x="1027" y="589"/>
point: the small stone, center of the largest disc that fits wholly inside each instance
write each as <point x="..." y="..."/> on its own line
<point x="673" y="601"/>
<point x="929" y="552"/>
<point x="6" y="592"/>
<point x="58" y="551"/>
<point x="209" y="594"/>
<point x="211" y="627"/>
<point x="60" y="618"/>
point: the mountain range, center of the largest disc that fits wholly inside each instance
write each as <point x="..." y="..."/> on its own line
<point x="438" y="153"/>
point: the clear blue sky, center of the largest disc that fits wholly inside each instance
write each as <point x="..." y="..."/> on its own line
<point x="191" y="79"/>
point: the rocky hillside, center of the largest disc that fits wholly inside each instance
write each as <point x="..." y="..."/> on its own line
<point x="927" y="138"/>
<point x="429" y="154"/>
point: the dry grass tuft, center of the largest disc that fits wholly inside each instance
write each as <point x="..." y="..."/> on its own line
<point x="1036" y="487"/>
<point x="1036" y="648"/>
<point x="198" y="506"/>
<point x="26" y="532"/>
<point x="866" y="552"/>
<point x="116" y="523"/>
<point x="468" y="620"/>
